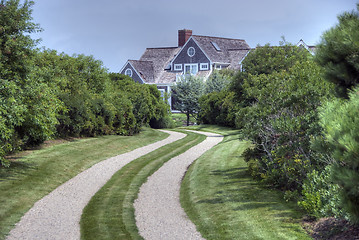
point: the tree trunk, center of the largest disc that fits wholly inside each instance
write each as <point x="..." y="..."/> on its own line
<point x="187" y="118"/>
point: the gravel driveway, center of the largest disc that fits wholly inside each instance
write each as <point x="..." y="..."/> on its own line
<point x="159" y="214"/>
<point x="58" y="214"/>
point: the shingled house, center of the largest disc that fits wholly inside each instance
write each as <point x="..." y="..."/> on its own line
<point x="195" y="55"/>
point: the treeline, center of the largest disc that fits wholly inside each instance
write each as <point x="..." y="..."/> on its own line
<point x="45" y="94"/>
<point x="302" y="114"/>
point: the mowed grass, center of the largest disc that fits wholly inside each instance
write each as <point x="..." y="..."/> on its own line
<point x="224" y="202"/>
<point x="110" y="213"/>
<point x="30" y="178"/>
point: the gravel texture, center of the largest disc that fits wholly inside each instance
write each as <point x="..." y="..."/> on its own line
<point x="159" y="214"/>
<point x="58" y="214"/>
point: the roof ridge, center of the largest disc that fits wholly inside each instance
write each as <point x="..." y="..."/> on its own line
<point x="218" y="37"/>
<point x="163" y="48"/>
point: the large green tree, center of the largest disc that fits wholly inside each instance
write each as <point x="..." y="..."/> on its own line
<point x="338" y="52"/>
<point x="340" y="120"/>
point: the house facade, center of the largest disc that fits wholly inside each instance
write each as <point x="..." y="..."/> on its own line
<point x="195" y="55"/>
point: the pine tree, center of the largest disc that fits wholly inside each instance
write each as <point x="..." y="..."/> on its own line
<point x="340" y="121"/>
<point x="338" y="52"/>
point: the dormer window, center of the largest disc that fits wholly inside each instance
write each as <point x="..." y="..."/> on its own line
<point x="178" y="67"/>
<point x="191" y="51"/>
<point x="203" y="66"/>
<point x="128" y="72"/>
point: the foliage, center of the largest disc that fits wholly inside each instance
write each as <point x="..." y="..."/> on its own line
<point x="218" y="81"/>
<point x="282" y="119"/>
<point x="338" y="52"/>
<point x="187" y="92"/>
<point x="218" y="105"/>
<point x="321" y="195"/>
<point x="340" y="121"/>
<point x="218" y="108"/>
<point x="268" y="59"/>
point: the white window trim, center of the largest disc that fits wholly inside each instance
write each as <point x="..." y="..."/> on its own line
<point x="178" y="67"/>
<point x="130" y="72"/>
<point x="190" y="65"/>
<point x="188" y="51"/>
<point x="204" y="66"/>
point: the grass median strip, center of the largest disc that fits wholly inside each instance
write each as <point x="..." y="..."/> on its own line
<point x="30" y="178"/>
<point x="224" y="202"/>
<point x="110" y="213"/>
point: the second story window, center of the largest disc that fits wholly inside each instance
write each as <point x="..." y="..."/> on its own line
<point x="191" y="69"/>
<point x="191" y="51"/>
<point x="204" y="66"/>
<point x="128" y="72"/>
<point x="178" y="67"/>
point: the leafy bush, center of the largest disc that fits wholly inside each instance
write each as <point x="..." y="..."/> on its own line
<point x="218" y="108"/>
<point x="321" y="195"/>
<point x="282" y="119"/>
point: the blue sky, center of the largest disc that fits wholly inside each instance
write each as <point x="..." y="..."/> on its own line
<point x="116" y="30"/>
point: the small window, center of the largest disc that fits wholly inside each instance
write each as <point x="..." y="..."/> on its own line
<point x="128" y="72"/>
<point x="191" y="51"/>
<point x="163" y="94"/>
<point x="215" y="45"/>
<point x="203" y="66"/>
<point x="178" y="67"/>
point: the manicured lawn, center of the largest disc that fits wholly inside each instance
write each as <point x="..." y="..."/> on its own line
<point x="110" y="213"/>
<point x="32" y="177"/>
<point x="224" y="202"/>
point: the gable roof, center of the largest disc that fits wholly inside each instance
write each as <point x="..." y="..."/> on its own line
<point x="223" y="50"/>
<point x="160" y="59"/>
<point x="144" y="69"/>
<point x="311" y="49"/>
<point x="154" y="64"/>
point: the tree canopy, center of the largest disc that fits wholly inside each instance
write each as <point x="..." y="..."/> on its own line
<point x="338" y="52"/>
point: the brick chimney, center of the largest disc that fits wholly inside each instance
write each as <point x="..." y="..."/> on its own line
<point x="183" y="36"/>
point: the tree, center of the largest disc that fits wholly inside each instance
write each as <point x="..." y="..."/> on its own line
<point x="282" y="120"/>
<point x="20" y="94"/>
<point x="218" y="81"/>
<point x="340" y="121"/>
<point x="338" y="52"/>
<point x="187" y="92"/>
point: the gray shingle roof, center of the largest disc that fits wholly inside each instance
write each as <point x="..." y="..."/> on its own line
<point x="152" y="65"/>
<point x="144" y="68"/>
<point x="231" y="50"/>
<point x="160" y="58"/>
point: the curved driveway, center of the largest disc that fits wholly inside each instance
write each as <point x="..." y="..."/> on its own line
<point x="159" y="214"/>
<point x="58" y="214"/>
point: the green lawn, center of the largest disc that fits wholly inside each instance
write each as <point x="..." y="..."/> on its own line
<point x="110" y="213"/>
<point x="180" y="119"/>
<point x="224" y="202"/>
<point x="30" y="178"/>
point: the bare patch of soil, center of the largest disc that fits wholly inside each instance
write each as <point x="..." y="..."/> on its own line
<point x="331" y="229"/>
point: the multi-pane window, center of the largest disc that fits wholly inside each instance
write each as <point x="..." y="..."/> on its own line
<point x="178" y="67"/>
<point x="191" y="69"/>
<point x="203" y="66"/>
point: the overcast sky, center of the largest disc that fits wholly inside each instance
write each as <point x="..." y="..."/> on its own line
<point x="114" y="31"/>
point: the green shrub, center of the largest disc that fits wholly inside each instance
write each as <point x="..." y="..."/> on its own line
<point x="321" y="195"/>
